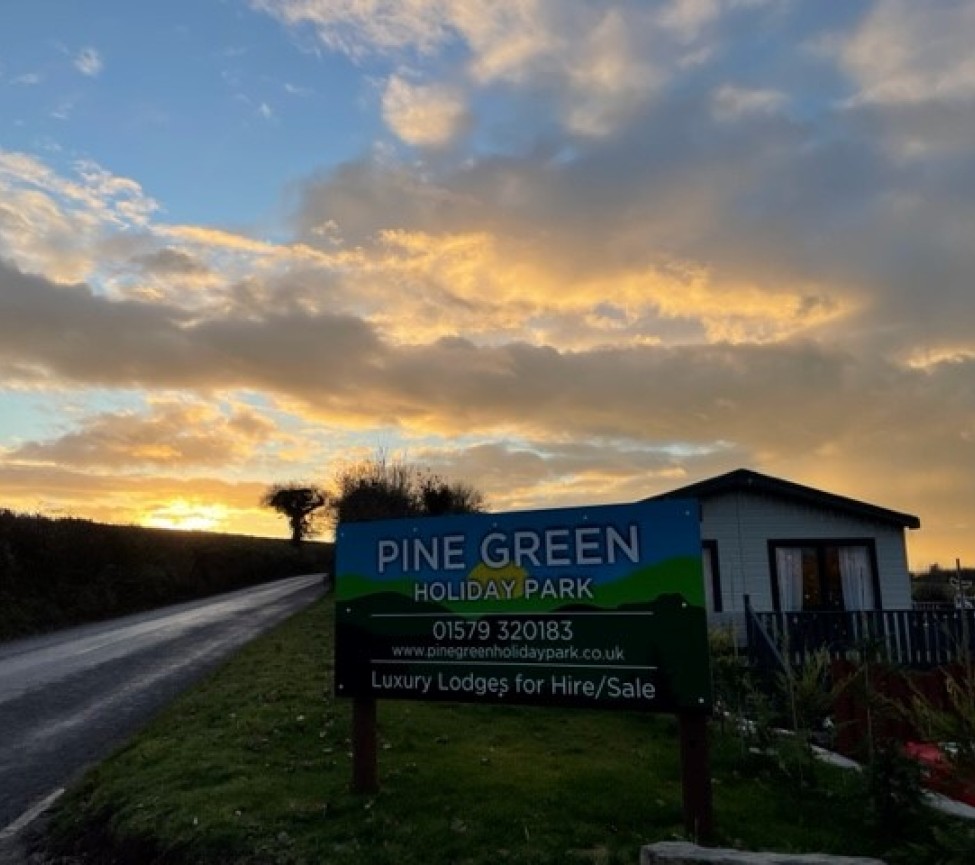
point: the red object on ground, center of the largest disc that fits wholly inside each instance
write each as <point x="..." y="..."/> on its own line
<point x="939" y="774"/>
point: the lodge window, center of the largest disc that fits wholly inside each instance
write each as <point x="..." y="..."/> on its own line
<point x="824" y="575"/>
<point x="712" y="577"/>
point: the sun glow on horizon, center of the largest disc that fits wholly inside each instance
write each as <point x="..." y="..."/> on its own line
<point x="186" y="516"/>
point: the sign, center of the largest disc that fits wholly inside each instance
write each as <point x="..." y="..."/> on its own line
<point x="597" y="606"/>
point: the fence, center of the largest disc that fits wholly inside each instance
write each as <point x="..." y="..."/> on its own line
<point x="907" y="638"/>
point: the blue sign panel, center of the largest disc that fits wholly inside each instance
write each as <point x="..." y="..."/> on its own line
<point x="592" y="606"/>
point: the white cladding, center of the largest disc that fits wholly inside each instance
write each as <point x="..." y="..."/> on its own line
<point x="742" y="524"/>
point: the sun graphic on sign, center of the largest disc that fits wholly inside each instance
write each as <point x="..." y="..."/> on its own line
<point x="508" y="574"/>
<point x="185" y="515"/>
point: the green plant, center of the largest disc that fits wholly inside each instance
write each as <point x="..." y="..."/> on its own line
<point x="729" y="670"/>
<point x="950" y="844"/>
<point x="801" y="699"/>
<point x="742" y="708"/>
<point x="754" y="705"/>
<point x="953" y="721"/>
<point x="894" y="795"/>
<point x="808" y="692"/>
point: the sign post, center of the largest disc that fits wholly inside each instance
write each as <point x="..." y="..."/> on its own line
<point x="695" y="776"/>
<point x="581" y="607"/>
<point x="365" y="762"/>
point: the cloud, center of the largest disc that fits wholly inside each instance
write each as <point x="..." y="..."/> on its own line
<point x="610" y="80"/>
<point x="593" y="60"/>
<point x="515" y="246"/>
<point x="169" y="262"/>
<point x="354" y="27"/>
<point x="912" y="79"/>
<point x="789" y="405"/>
<point x="53" y="224"/>
<point x="178" y="434"/>
<point x="636" y="244"/>
<point x="731" y="102"/>
<point x="767" y="395"/>
<point x="72" y="333"/>
<point x="514" y="475"/>
<point x="905" y="52"/>
<point x="424" y="116"/>
<point x="687" y="18"/>
<point x="88" y="62"/>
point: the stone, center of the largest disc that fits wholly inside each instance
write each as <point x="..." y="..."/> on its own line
<point x="685" y="853"/>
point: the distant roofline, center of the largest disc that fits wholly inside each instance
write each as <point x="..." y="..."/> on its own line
<point x="747" y="480"/>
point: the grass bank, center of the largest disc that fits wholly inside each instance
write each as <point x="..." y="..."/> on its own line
<point x="254" y="766"/>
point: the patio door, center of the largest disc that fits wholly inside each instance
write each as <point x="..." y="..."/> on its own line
<point x="819" y="575"/>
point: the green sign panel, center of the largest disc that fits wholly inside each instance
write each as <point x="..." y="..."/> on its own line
<point x="599" y="606"/>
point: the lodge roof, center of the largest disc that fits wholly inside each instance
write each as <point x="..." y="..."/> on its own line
<point x="746" y="480"/>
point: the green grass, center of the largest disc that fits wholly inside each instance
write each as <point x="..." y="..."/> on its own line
<point x="254" y="766"/>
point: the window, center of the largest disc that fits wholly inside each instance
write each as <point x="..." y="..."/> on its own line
<point x="712" y="577"/>
<point x="824" y="575"/>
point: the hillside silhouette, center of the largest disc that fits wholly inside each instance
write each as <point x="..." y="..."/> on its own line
<point x="60" y="572"/>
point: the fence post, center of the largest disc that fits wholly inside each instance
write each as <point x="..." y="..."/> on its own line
<point x="749" y="627"/>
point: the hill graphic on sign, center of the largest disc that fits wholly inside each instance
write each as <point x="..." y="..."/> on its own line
<point x="676" y="576"/>
<point x="349" y="587"/>
<point x="510" y="575"/>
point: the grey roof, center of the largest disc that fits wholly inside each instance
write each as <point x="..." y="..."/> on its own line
<point x="746" y="480"/>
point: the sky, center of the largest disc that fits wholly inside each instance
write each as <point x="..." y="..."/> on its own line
<point x="570" y="252"/>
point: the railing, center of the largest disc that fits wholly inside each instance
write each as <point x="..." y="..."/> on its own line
<point x="908" y="638"/>
<point x="938" y="606"/>
<point x="763" y="654"/>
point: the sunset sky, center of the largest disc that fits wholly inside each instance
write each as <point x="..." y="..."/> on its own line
<point x="568" y="251"/>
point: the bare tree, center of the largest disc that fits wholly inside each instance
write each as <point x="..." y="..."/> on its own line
<point x="299" y="503"/>
<point x="439" y="497"/>
<point x="376" y="489"/>
<point x="380" y="489"/>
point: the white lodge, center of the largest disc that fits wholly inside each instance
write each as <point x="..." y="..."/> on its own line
<point x="790" y="547"/>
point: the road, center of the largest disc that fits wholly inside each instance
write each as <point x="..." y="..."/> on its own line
<point x="68" y="699"/>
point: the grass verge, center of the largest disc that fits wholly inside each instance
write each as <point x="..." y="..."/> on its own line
<point x="254" y="765"/>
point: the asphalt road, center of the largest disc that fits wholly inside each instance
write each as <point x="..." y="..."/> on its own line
<point x="69" y="699"/>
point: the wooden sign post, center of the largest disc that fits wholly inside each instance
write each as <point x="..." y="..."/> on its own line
<point x="365" y="763"/>
<point x="695" y="772"/>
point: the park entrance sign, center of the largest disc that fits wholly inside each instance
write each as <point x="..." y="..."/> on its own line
<point x="593" y="607"/>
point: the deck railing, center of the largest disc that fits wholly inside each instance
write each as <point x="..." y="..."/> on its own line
<point x="908" y="638"/>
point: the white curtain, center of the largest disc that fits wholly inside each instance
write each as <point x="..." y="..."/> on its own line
<point x="857" y="578"/>
<point x="788" y="566"/>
